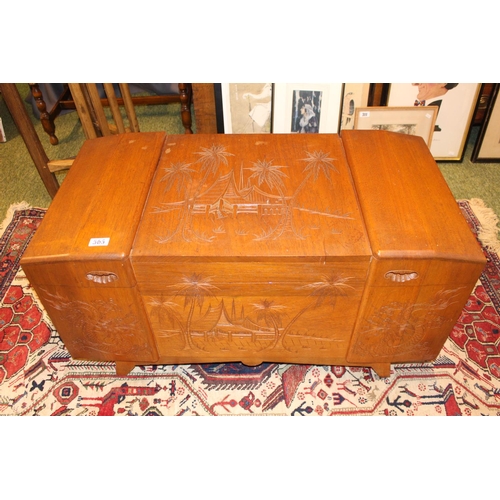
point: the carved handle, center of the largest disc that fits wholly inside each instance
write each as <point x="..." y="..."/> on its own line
<point x="401" y="276"/>
<point x="102" y="277"/>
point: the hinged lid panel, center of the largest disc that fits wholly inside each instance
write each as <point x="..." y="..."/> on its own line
<point x="86" y="236"/>
<point x="252" y="197"/>
<point x="408" y="208"/>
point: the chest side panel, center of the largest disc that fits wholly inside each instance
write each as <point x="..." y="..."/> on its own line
<point x="78" y="260"/>
<point x="426" y="259"/>
<point x="101" y="323"/>
<point x="409" y="321"/>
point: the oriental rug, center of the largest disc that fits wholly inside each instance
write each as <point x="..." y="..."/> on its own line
<point x="39" y="377"/>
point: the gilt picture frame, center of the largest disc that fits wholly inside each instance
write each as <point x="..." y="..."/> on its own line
<point x="408" y="120"/>
<point x="246" y="107"/>
<point x="487" y="146"/>
<point x="456" y="102"/>
<point x="307" y="107"/>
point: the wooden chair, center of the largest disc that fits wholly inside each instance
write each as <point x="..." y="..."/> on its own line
<point x="23" y="123"/>
<point x="47" y="168"/>
<point x="90" y="109"/>
<point x="68" y="101"/>
<point x="94" y="122"/>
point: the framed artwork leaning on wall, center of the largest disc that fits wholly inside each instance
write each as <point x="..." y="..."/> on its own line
<point x="404" y="120"/>
<point x="456" y="103"/>
<point x="246" y="107"/>
<point x="487" y="147"/>
<point x="307" y="108"/>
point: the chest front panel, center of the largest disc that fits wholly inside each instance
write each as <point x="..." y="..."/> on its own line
<point x="252" y="248"/>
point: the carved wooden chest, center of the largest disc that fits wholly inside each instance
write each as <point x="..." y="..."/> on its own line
<point x="297" y="248"/>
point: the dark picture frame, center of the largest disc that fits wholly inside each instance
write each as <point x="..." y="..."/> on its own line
<point x="487" y="147"/>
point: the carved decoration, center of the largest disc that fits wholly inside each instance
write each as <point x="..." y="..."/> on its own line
<point x="401" y="328"/>
<point x="101" y="326"/>
<point x="210" y="187"/>
<point x="266" y="325"/>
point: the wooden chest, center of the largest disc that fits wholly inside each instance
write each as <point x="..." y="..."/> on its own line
<point x="293" y="248"/>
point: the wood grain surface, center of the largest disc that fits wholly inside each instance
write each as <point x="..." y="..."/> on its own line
<point x="290" y="248"/>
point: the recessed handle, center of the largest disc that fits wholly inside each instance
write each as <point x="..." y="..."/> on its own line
<point x="101" y="276"/>
<point x="401" y="276"/>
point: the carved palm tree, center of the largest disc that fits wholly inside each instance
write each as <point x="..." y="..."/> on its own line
<point x="271" y="313"/>
<point x="179" y="173"/>
<point x="318" y="162"/>
<point x="326" y="290"/>
<point x="194" y="289"/>
<point x="161" y="308"/>
<point x="264" y="172"/>
<point x="211" y="159"/>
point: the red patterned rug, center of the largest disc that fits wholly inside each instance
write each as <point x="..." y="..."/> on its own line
<point x="39" y="377"/>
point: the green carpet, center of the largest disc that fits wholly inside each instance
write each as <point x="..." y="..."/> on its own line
<point x="469" y="180"/>
<point x="21" y="182"/>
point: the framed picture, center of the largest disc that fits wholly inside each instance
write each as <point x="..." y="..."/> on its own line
<point x="246" y="107"/>
<point x="404" y="120"/>
<point x="378" y="94"/>
<point x="355" y="96"/>
<point x="487" y="147"/>
<point x="456" y="103"/>
<point x="2" y="133"/>
<point x="306" y="108"/>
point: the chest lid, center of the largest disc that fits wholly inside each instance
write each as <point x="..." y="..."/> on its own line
<point x="88" y="230"/>
<point x="407" y="205"/>
<point x="252" y="198"/>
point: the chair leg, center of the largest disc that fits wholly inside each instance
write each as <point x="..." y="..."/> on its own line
<point x="45" y="118"/>
<point x="23" y="123"/>
<point x="186" y="93"/>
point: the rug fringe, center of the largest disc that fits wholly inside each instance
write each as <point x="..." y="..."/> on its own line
<point x="488" y="234"/>
<point x="23" y="205"/>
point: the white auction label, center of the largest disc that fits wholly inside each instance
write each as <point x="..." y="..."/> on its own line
<point x="364" y="114"/>
<point x="99" y="242"/>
